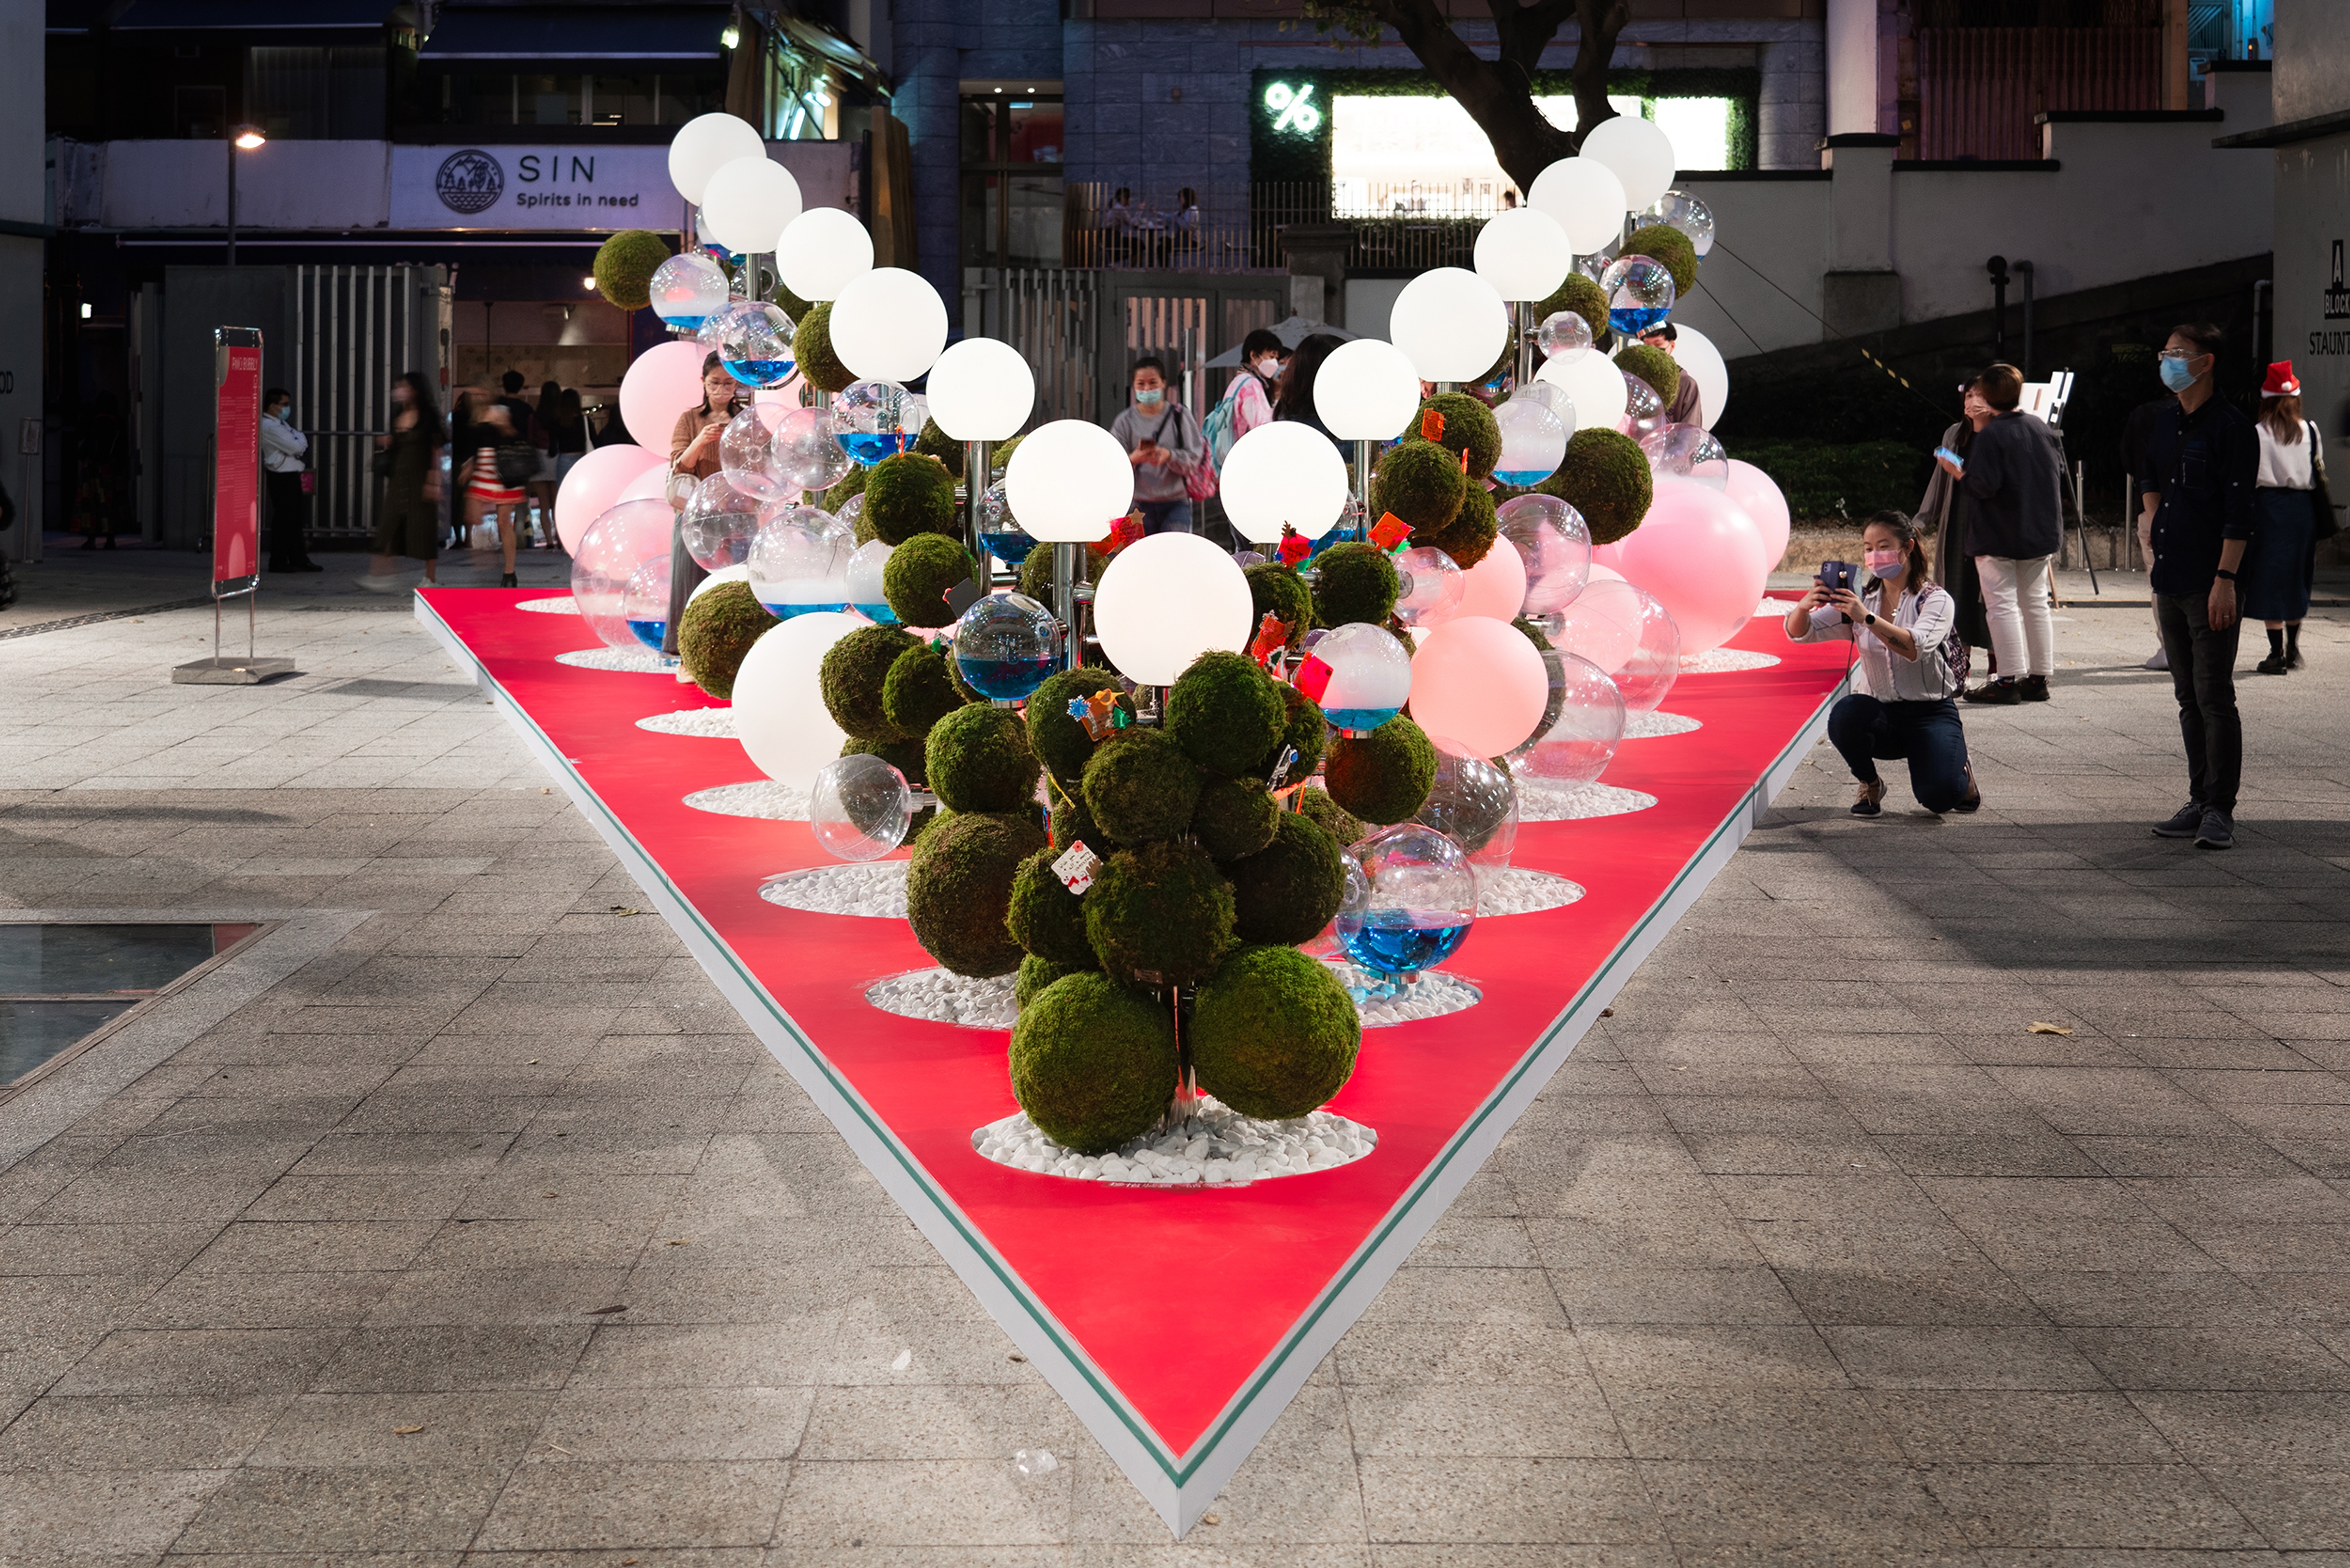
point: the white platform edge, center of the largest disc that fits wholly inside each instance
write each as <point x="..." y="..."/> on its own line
<point x="1179" y="1487"/>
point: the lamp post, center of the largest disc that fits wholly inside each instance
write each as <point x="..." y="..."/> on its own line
<point x="244" y="139"/>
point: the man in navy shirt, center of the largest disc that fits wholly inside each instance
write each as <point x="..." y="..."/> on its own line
<point x="2202" y="459"/>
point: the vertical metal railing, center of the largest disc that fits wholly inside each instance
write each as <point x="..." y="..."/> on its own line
<point x="355" y="328"/>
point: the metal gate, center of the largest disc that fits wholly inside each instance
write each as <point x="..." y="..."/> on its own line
<point x="354" y="329"/>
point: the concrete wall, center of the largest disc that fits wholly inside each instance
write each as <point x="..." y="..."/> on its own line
<point x="2313" y="58"/>
<point x="24" y="183"/>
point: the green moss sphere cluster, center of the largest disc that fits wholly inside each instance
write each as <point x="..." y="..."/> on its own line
<point x="1357" y="582"/>
<point x="1384" y="777"/>
<point x="851" y="485"/>
<point x="959" y="889"/>
<point x="1421" y="483"/>
<point x="1062" y="742"/>
<point x="716" y="632"/>
<point x="1160" y="911"/>
<point x="1302" y="727"/>
<point x="919" y="689"/>
<point x="1236" y="818"/>
<point x="908" y="495"/>
<point x="1469" y="537"/>
<point x="1139" y="786"/>
<point x="1276" y="589"/>
<point x="625" y="265"/>
<point x="978" y="760"/>
<point x="1274" y="1033"/>
<point x="1037" y="973"/>
<point x="1342" y="824"/>
<point x="1225" y="712"/>
<point x="1605" y="477"/>
<point x="1045" y="918"/>
<point x="935" y="442"/>
<point x="854" y="678"/>
<point x="812" y="347"/>
<point x="1093" y="1063"/>
<point x="1581" y="294"/>
<point x="1072" y="823"/>
<point x="1470" y="426"/>
<point x="1288" y="890"/>
<point x="1653" y="366"/>
<point x="921" y="573"/>
<point x="1669" y="245"/>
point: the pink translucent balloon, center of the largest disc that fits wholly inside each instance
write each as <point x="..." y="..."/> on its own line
<point x="664" y="382"/>
<point x="593" y="487"/>
<point x="1607" y="561"/>
<point x="608" y="555"/>
<point x="1480" y="682"/>
<point x="1602" y="624"/>
<point x="652" y="485"/>
<point x="1760" y="499"/>
<point x="1702" y="556"/>
<point x="1495" y="587"/>
<point x="1656" y="663"/>
<point x="1585" y="726"/>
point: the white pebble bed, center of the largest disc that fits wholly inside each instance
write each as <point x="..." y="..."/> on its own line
<point x="628" y="660"/>
<point x="1434" y="994"/>
<point x="1650" y="726"/>
<point x="876" y="888"/>
<point x="1518" y="890"/>
<point x="936" y="996"/>
<point x="564" y="605"/>
<point x="710" y="723"/>
<point x="1724" y="660"/>
<point x="1776" y="609"/>
<point x="1540" y="800"/>
<point x="1218" y="1146"/>
<point x="761" y="797"/>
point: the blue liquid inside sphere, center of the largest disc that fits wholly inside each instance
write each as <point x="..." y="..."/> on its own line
<point x="649" y="632"/>
<point x="759" y="372"/>
<point x="690" y="323"/>
<point x="1005" y="680"/>
<point x="880" y="615"/>
<point x="1399" y="941"/>
<point x="1634" y="322"/>
<point x="1011" y="547"/>
<point x="785" y="612"/>
<point x="1523" y="478"/>
<point x="1358" y="720"/>
<point x="869" y="450"/>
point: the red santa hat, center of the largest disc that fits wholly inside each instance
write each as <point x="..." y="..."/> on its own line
<point x="2281" y="383"/>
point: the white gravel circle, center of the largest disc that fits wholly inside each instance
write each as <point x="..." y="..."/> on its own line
<point x="760" y="798"/>
<point x="628" y="660"/>
<point x="937" y="996"/>
<point x="1217" y="1147"/>
<point x="567" y="604"/>
<point x="1539" y="800"/>
<point x="876" y="888"/>
<point x="1518" y="890"/>
<point x="710" y="723"/>
<point x="1650" y="726"/>
<point x="1725" y="660"/>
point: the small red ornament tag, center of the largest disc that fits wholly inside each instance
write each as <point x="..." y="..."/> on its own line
<point x="1390" y="532"/>
<point x="1272" y="637"/>
<point x="1075" y="867"/>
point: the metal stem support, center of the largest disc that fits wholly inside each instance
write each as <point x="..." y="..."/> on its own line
<point x="975" y="457"/>
<point x="1522" y="320"/>
<point x="1065" y="604"/>
<point x="1362" y="450"/>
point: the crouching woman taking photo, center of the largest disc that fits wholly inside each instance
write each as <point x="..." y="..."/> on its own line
<point x="1900" y="707"/>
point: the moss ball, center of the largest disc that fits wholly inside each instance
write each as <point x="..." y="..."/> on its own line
<point x="978" y="760"/>
<point x="1581" y="295"/>
<point x="1384" y="776"/>
<point x="717" y="631"/>
<point x="812" y="347"/>
<point x="1139" y="786"/>
<point x="919" y="689"/>
<point x="1356" y="582"/>
<point x="1093" y="1063"/>
<point x="1037" y="973"/>
<point x="1470" y="426"/>
<point x="1532" y="633"/>
<point x="1045" y="918"/>
<point x="851" y="485"/>
<point x="935" y="442"/>
<point x="906" y="756"/>
<point x="1605" y="477"/>
<point x="1670" y="246"/>
<point x="625" y="265"/>
<point x="1303" y="727"/>
<point x="1276" y="589"/>
<point x="908" y="495"/>
<point x="1036" y="572"/>
<point x="1061" y="743"/>
<point x="1162" y="909"/>
<point x="1469" y="537"/>
<point x="919" y="575"/>
<point x="1224" y="711"/>
<point x="1274" y="1033"/>
<point x="1236" y="818"/>
<point x="1289" y="890"/>
<point x="1343" y="824"/>
<point x="1653" y="366"/>
<point x="959" y="888"/>
<point x="855" y="676"/>
<point x="1421" y="483"/>
<point x="1071" y="823"/>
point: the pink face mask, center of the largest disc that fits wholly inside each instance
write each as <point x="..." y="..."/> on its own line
<point x="1883" y="563"/>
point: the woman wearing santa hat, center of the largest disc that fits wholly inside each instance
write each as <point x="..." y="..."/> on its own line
<point x="2284" y="550"/>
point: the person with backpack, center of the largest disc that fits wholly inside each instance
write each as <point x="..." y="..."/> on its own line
<point x="1166" y="448"/>
<point x="1248" y="401"/>
<point x="1900" y="626"/>
<point x="504" y="463"/>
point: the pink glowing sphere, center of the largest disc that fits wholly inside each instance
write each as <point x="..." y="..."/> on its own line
<point x="1700" y="555"/>
<point x="1760" y="499"/>
<point x="665" y="382"/>
<point x="1480" y="683"/>
<point x="1495" y="587"/>
<point x="593" y="487"/>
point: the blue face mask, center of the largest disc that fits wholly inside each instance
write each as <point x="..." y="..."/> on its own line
<point x="2177" y="375"/>
<point x="1148" y="399"/>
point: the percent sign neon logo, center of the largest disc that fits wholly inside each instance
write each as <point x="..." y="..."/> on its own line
<point x="1296" y="114"/>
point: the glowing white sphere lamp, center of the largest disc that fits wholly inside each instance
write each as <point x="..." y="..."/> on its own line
<point x="1594" y="384"/>
<point x="1279" y="474"/>
<point x="748" y="202"/>
<point x="702" y="145"/>
<point x="1367" y="390"/>
<point x="1524" y="254"/>
<point x="1068" y="481"/>
<point x="1697" y="356"/>
<point x="1450" y="324"/>
<point x="780" y="715"/>
<point x="821" y="251"/>
<point x="981" y="390"/>
<point x="1165" y="599"/>
<point x="889" y="325"/>
<point x="1640" y="152"/>
<point x="1586" y="199"/>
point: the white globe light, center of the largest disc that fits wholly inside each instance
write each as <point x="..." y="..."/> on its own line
<point x="1450" y="324"/>
<point x="1596" y="385"/>
<point x="981" y="390"/>
<point x="1367" y="390"/>
<point x="1524" y="254"/>
<point x="821" y="252"/>
<point x="889" y="325"/>
<point x="1068" y="481"/>
<point x="1165" y="599"/>
<point x="779" y="711"/>
<point x="748" y="202"/>
<point x="702" y="145"/>
<point x="1586" y="199"/>
<point x="1694" y="352"/>
<point x="1286" y="472"/>
<point x="1640" y="152"/>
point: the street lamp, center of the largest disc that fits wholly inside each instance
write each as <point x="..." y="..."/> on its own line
<point x="244" y="137"/>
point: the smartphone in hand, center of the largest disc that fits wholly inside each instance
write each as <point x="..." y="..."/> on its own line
<point x="1953" y="459"/>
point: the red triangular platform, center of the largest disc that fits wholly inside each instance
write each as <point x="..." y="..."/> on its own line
<point x="1177" y="1394"/>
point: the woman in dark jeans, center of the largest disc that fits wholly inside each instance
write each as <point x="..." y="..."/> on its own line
<point x="1943" y="513"/>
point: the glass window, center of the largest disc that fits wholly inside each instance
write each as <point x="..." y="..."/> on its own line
<point x="546" y="100"/>
<point x="1012" y="207"/>
<point x="978" y="116"/>
<point x="1035" y="132"/>
<point x="200" y="113"/>
<point x="59" y="983"/>
<point x="625" y="100"/>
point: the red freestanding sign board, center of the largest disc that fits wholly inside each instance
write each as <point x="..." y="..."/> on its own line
<point x="236" y="456"/>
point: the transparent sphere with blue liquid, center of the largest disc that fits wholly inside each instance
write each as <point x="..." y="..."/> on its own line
<point x="1563" y="336"/>
<point x="687" y="290"/>
<point x="1639" y="291"/>
<point x="796" y="568"/>
<point x="1005" y="539"/>
<point x="868" y="421"/>
<point x="718" y="525"/>
<point x="1533" y="442"/>
<point x="865" y="595"/>
<point x="754" y="343"/>
<point x="859" y="807"/>
<point x="1006" y="645"/>
<point x="1410" y="899"/>
<point x="644" y="603"/>
<point x="1680" y="209"/>
<point x="1473" y="803"/>
<point x="1359" y="674"/>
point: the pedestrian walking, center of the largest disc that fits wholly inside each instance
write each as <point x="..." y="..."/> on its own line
<point x="1688" y="407"/>
<point x="2013" y="475"/>
<point x="542" y="436"/>
<point x="2203" y="462"/>
<point x="1165" y="445"/>
<point x="285" y="477"/>
<point x="1247" y="402"/>
<point x="1943" y="513"/>
<point x="1900" y="708"/>
<point x="2136" y="429"/>
<point x="1293" y="398"/>
<point x="693" y="453"/>
<point x="407" y="460"/>
<point x="503" y="464"/>
<point x="2289" y="491"/>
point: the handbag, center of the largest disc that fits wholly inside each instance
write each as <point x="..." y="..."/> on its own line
<point x="1199" y="479"/>
<point x="2323" y="523"/>
<point x="517" y="461"/>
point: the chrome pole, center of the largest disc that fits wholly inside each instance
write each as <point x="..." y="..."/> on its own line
<point x="1065" y="604"/>
<point x="975" y="457"/>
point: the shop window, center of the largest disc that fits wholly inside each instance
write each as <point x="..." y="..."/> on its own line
<point x="1425" y="157"/>
<point x="311" y="94"/>
<point x="200" y="113"/>
<point x="1012" y="183"/>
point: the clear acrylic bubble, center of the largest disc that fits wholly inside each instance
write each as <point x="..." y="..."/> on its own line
<point x="1582" y="727"/>
<point x="754" y="343"/>
<point x="859" y="807"/>
<point x="807" y="455"/>
<point x="865" y="591"/>
<point x="1595" y="266"/>
<point x="1006" y="645"/>
<point x="1004" y="539"/>
<point x="796" y="569"/>
<point x="644" y="602"/>
<point x="746" y="452"/>
<point x="719" y="524"/>
<point x="1680" y="209"/>
<point x="1431" y="587"/>
<point x="1639" y="291"/>
<point x="1602" y="623"/>
<point x="1655" y="662"/>
<point x="687" y="290"/>
<point x="1687" y="452"/>
<point x="1643" y="411"/>
<point x="1410" y="902"/>
<point x="1563" y="336"/>
<point x="868" y="421"/>
<point x="796" y="510"/>
<point x="1555" y="546"/>
<point x="1554" y="397"/>
<point x="851" y="509"/>
<point x="1359" y="674"/>
<point x="1533" y="442"/>
<point x="607" y="554"/>
<point x="1475" y="804"/>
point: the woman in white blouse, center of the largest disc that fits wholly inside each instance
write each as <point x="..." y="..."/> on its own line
<point x="2274" y="576"/>
<point x="1901" y="706"/>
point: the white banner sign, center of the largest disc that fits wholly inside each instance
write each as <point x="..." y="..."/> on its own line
<point x="508" y="187"/>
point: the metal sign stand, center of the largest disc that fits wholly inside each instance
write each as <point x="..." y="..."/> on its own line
<point x="236" y="487"/>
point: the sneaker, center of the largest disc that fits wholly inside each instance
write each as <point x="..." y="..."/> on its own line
<point x="2275" y="664"/>
<point x="2032" y="688"/>
<point x="2159" y="659"/>
<point x="2002" y="692"/>
<point x="2182" y="823"/>
<point x="1872" y="796"/>
<point x="2217" y="832"/>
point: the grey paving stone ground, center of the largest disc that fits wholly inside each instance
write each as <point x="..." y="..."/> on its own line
<point x="1813" y="1253"/>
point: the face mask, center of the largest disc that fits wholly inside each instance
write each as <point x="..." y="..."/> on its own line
<point x="1148" y="399"/>
<point x="2177" y="375"/>
<point x="1884" y="565"/>
<point x="1269" y="368"/>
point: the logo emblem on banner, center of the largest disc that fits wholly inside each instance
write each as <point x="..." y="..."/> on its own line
<point x="469" y="181"/>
